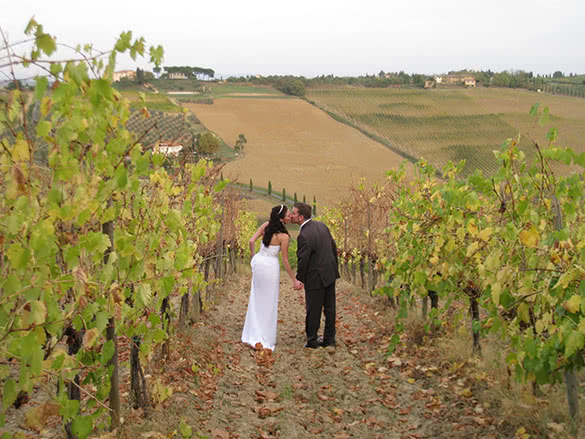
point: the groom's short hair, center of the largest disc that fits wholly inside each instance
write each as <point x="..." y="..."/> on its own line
<point x="303" y="209"/>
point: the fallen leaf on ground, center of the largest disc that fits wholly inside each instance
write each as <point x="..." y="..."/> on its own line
<point x="263" y="412"/>
<point x="36" y="418"/>
<point x="220" y="434"/>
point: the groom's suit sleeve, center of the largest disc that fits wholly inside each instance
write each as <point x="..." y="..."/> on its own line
<point x="334" y="249"/>
<point x="303" y="255"/>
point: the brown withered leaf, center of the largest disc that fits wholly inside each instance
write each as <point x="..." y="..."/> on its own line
<point x="36" y="418"/>
<point x="263" y="412"/>
<point x="220" y="434"/>
<point x="20" y="180"/>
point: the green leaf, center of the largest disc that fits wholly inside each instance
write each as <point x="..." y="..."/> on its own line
<point x="574" y="343"/>
<point x="143" y="295"/>
<point x="46" y="43"/>
<point x="552" y="135"/>
<point x="9" y="393"/>
<point x="173" y="220"/>
<point x="185" y="430"/>
<point x="32" y="24"/>
<point x="156" y="55"/>
<point x="36" y="361"/>
<point x="121" y="177"/>
<point x="123" y="42"/>
<point x="42" y="82"/>
<point x="534" y="109"/>
<point x="95" y="242"/>
<point x="19" y="257"/>
<point x="107" y="351"/>
<point x="82" y="426"/>
<point x="544" y="118"/>
<point x="101" y="321"/>
<point x="44" y="128"/>
<point x="56" y="69"/>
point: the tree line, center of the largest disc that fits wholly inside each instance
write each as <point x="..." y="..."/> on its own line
<point x="295" y="85"/>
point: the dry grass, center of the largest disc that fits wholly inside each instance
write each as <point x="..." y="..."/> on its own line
<point x="514" y="402"/>
<point x="296" y="146"/>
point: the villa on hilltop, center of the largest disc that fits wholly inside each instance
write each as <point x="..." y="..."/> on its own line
<point x="466" y="80"/>
<point x="123" y="74"/>
<point x="177" y="75"/>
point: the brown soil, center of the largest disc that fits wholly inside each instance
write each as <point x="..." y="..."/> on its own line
<point x="223" y="389"/>
<point x="350" y="391"/>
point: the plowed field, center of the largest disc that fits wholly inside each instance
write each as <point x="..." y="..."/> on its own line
<point x="296" y="146"/>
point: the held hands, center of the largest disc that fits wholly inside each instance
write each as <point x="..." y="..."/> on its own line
<point x="298" y="285"/>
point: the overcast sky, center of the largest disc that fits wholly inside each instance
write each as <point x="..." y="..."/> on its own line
<point x="317" y="37"/>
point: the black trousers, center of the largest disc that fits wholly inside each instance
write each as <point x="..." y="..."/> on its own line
<point x="316" y="301"/>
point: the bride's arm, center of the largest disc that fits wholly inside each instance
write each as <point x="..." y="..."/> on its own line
<point x="284" y="250"/>
<point x="256" y="235"/>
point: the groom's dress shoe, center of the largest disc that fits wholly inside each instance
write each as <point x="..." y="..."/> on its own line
<point x="324" y="343"/>
<point x="312" y="345"/>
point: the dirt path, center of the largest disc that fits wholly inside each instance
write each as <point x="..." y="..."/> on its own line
<point x="348" y="391"/>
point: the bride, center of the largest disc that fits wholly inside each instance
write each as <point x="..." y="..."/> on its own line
<point x="260" y="324"/>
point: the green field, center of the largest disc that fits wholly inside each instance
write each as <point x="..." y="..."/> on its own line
<point x="153" y="101"/>
<point x="442" y="125"/>
<point x="223" y="89"/>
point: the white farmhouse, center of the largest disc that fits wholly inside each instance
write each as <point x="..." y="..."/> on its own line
<point x="170" y="148"/>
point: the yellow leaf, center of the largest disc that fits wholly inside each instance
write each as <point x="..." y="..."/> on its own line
<point x="46" y="104"/>
<point x="539" y="326"/>
<point x="523" y="312"/>
<point x="460" y="233"/>
<point x="565" y="278"/>
<point x="472" y="248"/>
<point x="496" y="292"/>
<point x="20" y="151"/>
<point x="554" y="257"/>
<point x="411" y="380"/>
<point x="529" y="237"/>
<point x="521" y="434"/>
<point x="472" y="229"/>
<point x="485" y="234"/>
<point x="573" y="304"/>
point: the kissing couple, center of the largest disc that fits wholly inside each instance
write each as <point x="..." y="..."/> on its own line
<point x="317" y="271"/>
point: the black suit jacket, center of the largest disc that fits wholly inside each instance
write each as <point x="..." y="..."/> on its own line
<point x="316" y="256"/>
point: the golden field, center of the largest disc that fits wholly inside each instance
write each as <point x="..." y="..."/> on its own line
<point x="296" y="146"/>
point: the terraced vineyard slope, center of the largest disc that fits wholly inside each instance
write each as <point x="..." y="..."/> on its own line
<point x="442" y="125"/>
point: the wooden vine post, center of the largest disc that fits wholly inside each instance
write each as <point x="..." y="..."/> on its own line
<point x="108" y="230"/>
<point x="570" y="376"/>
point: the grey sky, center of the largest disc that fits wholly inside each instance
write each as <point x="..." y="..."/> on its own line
<point x="322" y="36"/>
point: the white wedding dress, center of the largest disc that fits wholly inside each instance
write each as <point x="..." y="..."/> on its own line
<point x="260" y="325"/>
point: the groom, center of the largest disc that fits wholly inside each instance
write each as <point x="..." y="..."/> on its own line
<point x="317" y="270"/>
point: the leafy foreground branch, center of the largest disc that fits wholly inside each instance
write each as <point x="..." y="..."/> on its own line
<point x="96" y="237"/>
<point x="510" y="246"/>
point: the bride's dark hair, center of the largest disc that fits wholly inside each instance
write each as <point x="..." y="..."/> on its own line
<point x="275" y="224"/>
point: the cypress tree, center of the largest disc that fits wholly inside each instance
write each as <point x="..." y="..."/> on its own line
<point x="251" y="186"/>
<point x="269" y="187"/>
<point x="314" y="206"/>
<point x="283" y="195"/>
<point x="296" y="197"/>
<point x="304" y="200"/>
